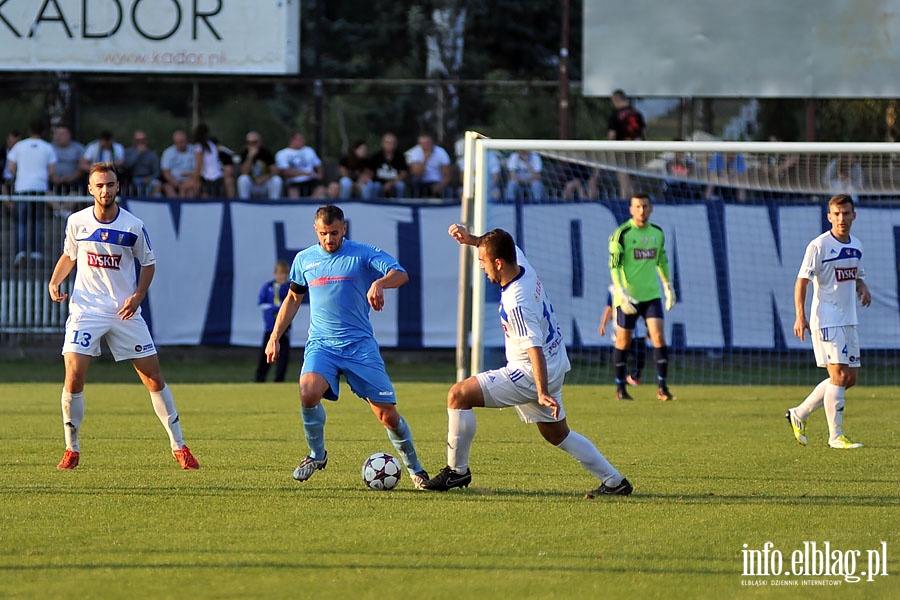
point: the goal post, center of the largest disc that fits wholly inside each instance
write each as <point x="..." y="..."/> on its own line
<point x="737" y="217"/>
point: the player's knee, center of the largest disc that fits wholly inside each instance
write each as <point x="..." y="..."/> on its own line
<point x="456" y="397"/>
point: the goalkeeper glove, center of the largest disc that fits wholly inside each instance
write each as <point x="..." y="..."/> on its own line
<point x="669" y="290"/>
<point x="625" y="302"/>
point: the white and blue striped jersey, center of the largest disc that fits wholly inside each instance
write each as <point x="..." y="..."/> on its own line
<point x="104" y="254"/>
<point x="529" y="321"/>
<point x="833" y="266"/>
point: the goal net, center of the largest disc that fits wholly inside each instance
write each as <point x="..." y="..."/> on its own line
<point x="737" y="217"/>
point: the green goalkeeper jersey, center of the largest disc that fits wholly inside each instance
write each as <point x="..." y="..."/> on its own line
<point x="636" y="255"/>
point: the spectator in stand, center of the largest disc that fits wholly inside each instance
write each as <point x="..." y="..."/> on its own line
<point x="524" y="169"/>
<point x="141" y="170"/>
<point x="625" y="123"/>
<point x="429" y="169"/>
<point x="103" y="149"/>
<point x="207" y="165"/>
<point x="300" y="167"/>
<point x="6" y="186"/>
<point x="228" y="158"/>
<point x="725" y="170"/>
<point x="67" y="179"/>
<point x="178" y="168"/>
<point x="844" y="175"/>
<point x="356" y="174"/>
<point x="390" y="171"/>
<point x="31" y="163"/>
<point x="582" y="182"/>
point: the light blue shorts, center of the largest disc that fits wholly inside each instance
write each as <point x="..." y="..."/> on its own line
<point x="361" y="365"/>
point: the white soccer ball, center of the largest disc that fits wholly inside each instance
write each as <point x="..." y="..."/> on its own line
<point x="381" y="471"/>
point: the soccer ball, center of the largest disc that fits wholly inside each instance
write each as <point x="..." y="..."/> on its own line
<point x="381" y="471"/>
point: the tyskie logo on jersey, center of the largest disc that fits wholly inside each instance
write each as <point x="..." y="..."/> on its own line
<point x="845" y="273"/>
<point x="644" y="253"/>
<point x="104" y="261"/>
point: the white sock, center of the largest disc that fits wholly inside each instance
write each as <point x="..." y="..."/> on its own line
<point x="164" y="405"/>
<point x="812" y="402"/>
<point x="834" y="410"/>
<point x="460" y="433"/>
<point x="589" y="457"/>
<point x="72" y="414"/>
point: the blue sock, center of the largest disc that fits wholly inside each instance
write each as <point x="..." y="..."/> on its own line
<point x="314" y="429"/>
<point x="402" y="440"/>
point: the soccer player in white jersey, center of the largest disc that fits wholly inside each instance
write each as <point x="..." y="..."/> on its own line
<point x="531" y="381"/>
<point x="103" y="241"/>
<point x="833" y="262"/>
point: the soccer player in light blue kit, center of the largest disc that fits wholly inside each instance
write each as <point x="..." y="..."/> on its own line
<point x="344" y="279"/>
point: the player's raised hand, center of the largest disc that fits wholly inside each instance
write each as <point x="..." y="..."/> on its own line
<point x="461" y="234"/>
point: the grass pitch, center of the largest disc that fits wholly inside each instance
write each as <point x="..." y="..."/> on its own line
<point x="713" y="471"/>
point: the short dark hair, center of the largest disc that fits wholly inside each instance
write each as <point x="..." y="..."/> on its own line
<point x="329" y="213"/>
<point x="840" y="200"/>
<point x="642" y="196"/>
<point x="498" y="243"/>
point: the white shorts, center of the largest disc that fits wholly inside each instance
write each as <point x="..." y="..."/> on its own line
<point x="126" y="339"/>
<point x="836" y="346"/>
<point x="507" y="386"/>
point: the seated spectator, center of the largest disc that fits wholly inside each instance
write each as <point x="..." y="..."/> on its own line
<point x="228" y="158"/>
<point x="429" y="169"/>
<point x="258" y="170"/>
<point x="389" y="170"/>
<point x="843" y="175"/>
<point x="207" y="167"/>
<point x="68" y="178"/>
<point x="103" y="149"/>
<point x="726" y="170"/>
<point x="580" y="180"/>
<point x="299" y="166"/>
<point x="178" y="167"/>
<point x="141" y="172"/>
<point x="356" y="175"/>
<point x="681" y="166"/>
<point x="778" y="167"/>
<point x="524" y="170"/>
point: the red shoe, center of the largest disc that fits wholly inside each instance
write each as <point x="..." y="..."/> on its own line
<point x="69" y="461"/>
<point x="185" y="458"/>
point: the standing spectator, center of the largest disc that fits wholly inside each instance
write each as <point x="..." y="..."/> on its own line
<point x="625" y="123"/>
<point x="31" y="162"/>
<point x="207" y="165"/>
<point x="356" y="175"/>
<point x="833" y="263"/>
<point x="259" y="171"/>
<point x="103" y="149"/>
<point x="524" y="169"/>
<point x="637" y="254"/>
<point x="141" y="167"/>
<point x="532" y="379"/>
<point x="726" y="170"/>
<point x="843" y="175"/>
<point x="300" y="167"/>
<point x="429" y="169"/>
<point x="345" y="279"/>
<point x="178" y="165"/>
<point x="12" y="138"/>
<point x="270" y="298"/>
<point x="67" y="177"/>
<point x="106" y="303"/>
<point x="390" y="171"/>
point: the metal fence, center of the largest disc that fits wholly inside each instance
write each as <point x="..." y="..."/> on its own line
<point x="32" y="229"/>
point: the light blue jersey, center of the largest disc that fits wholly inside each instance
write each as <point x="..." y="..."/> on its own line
<point x="338" y="283"/>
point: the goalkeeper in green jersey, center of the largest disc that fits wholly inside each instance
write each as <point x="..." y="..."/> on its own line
<point x="637" y="253"/>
